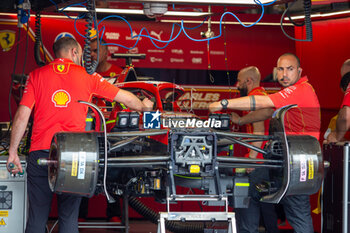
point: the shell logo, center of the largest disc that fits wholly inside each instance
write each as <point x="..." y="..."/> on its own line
<point x="61" y="98"/>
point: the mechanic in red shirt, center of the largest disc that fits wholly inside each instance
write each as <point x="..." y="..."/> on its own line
<point x="305" y="120"/>
<point x="104" y="68"/>
<point x="248" y="83"/>
<point x="343" y="120"/>
<point x="54" y="90"/>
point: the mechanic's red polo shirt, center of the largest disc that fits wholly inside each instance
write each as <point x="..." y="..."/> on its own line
<point x="112" y="71"/>
<point x="54" y="89"/>
<point x="249" y="127"/>
<point x="306" y="118"/>
<point x="346" y="99"/>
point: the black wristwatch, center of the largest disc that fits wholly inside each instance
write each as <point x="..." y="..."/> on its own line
<point x="224" y="103"/>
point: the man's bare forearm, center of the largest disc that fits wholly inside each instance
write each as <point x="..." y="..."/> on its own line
<point x="244" y="103"/>
<point x="343" y="122"/>
<point x="132" y="102"/>
<point x="259" y="128"/>
<point x="18" y="128"/>
<point x="253" y="154"/>
<point x="256" y="116"/>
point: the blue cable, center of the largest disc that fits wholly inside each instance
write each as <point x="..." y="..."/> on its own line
<point x="75" y="25"/>
<point x="182" y="28"/>
<point x="167" y="42"/>
<point x="220" y="27"/>
<point x="116" y="16"/>
<point x="74" y="4"/>
<point x="221" y="19"/>
<point x="264" y="4"/>
<point x="147" y="36"/>
<point x="152" y="39"/>
<point x="195" y="27"/>
<point x="140" y="34"/>
<point x="54" y="4"/>
<point x="61" y="11"/>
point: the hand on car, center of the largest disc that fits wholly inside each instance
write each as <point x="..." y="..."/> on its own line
<point x="235" y="118"/>
<point x="148" y="104"/>
<point x="332" y="137"/>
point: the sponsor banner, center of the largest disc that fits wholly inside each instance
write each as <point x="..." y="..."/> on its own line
<point x="197" y="60"/>
<point x="196" y="98"/>
<point x="177" y="51"/>
<point x="112" y="35"/>
<point x="177" y="60"/>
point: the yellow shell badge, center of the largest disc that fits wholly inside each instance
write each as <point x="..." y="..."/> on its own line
<point x="61" y="98"/>
<point x="7" y="39"/>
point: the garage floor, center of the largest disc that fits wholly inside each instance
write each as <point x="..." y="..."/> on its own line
<point x="136" y="226"/>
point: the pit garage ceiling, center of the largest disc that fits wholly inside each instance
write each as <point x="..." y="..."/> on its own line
<point x="237" y="6"/>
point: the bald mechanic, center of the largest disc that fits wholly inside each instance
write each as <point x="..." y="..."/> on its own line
<point x="54" y="90"/>
<point x="343" y="120"/>
<point x="248" y="83"/>
<point x="304" y="120"/>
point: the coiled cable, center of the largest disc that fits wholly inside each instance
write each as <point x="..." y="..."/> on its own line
<point x="89" y="64"/>
<point x="38" y="42"/>
<point x="308" y="25"/>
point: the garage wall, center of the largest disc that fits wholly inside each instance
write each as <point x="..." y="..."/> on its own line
<point x="321" y="60"/>
<point x="258" y="45"/>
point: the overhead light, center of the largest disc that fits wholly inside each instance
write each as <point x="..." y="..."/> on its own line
<point x="226" y="22"/>
<point x="216" y="2"/>
<point x="320" y="15"/>
<point x="152" y="10"/>
<point x="135" y="12"/>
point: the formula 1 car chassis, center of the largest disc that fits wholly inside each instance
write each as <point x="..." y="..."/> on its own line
<point x="78" y="164"/>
